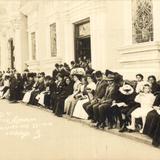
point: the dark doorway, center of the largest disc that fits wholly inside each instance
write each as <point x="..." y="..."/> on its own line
<point x="82" y="40"/>
<point x="12" y="57"/>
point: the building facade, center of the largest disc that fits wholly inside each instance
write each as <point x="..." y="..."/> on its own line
<point x="122" y="36"/>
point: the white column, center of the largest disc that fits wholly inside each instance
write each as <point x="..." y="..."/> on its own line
<point x="21" y="43"/>
<point x="4" y="52"/>
<point x="98" y="27"/>
<point x="68" y="41"/>
<point x="127" y="21"/>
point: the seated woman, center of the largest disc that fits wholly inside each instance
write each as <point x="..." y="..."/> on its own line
<point x="152" y="125"/>
<point x="155" y="87"/>
<point x="5" y="91"/>
<point x="60" y="98"/>
<point x="43" y="94"/>
<point x="76" y="91"/>
<point x="123" y="104"/>
<point x="32" y="85"/>
<point x="79" y="96"/>
<point x="41" y="87"/>
<point x="29" y="82"/>
<point x="58" y="88"/>
<point x="146" y="100"/>
<point x="79" y="111"/>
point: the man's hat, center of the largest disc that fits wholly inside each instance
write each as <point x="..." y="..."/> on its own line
<point x="110" y="77"/>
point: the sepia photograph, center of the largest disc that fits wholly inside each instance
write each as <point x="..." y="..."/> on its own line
<point x="80" y="79"/>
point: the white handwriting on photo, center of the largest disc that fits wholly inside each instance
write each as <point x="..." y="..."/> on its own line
<point x="12" y="125"/>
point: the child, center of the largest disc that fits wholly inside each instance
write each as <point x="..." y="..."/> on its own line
<point x="146" y="100"/>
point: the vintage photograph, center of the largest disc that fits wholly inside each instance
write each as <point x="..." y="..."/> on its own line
<point x="80" y="79"/>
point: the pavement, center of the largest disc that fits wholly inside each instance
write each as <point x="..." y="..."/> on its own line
<point x="32" y="133"/>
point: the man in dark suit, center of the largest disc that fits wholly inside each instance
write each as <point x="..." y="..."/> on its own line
<point x="99" y="93"/>
<point x="101" y="110"/>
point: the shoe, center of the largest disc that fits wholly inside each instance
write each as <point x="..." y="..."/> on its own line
<point x="141" y="131"/>
<point x="124" y="129"/>
<point x="98" y="125"/>
<point x="130" y="127"/>
<point x="93" y="121"/>
<point x="110" y="127"/>
<point x="102" y="126"/>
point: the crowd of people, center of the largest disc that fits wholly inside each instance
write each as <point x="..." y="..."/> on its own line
<point x="77" y="90"/>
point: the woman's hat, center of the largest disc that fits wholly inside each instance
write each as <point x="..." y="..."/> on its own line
<point x="126" y="89"/>
<point x="78" y="71"/>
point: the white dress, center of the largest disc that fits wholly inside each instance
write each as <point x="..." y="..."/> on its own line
<point x="146" y="101"/>
<point x="27" y="95"/>
<point x="79" y="111"/>
<point x="41" y="97"/>
<point x="70" y="99"/>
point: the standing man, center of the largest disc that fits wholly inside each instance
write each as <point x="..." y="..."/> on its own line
<point x="55" y="71"/>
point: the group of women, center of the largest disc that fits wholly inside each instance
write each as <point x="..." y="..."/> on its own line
<point x="136" y="105"/>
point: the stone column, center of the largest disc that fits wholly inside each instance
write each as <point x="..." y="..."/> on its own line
<point x="20" y="43"/>
<point x="4" y="51"/>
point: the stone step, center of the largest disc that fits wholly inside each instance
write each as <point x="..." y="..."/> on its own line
<point x="136" y="136"/>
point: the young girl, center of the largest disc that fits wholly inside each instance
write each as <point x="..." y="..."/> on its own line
<point x="146" y="100"/>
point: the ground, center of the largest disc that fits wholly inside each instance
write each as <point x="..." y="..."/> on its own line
<point x="30" y="133"/>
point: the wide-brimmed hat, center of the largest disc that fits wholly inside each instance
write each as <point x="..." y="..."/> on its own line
<point x="110" y="77"/>
<point x="126" y="89"/>
<point x="78" y="71"/>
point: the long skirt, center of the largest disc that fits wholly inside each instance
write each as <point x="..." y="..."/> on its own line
<point x="151" y="122"/>
<point x="27" y="97"/>
<point x="47" y="98"/>
<point x="141" y="112"/>
<point x="59" y="106"/>
<point x="34" y="98"/>
<point x="41" y="98"/>
<point x="70" y="103"/>
<point x="79" y="111"/>
<point x="156" y="136"/>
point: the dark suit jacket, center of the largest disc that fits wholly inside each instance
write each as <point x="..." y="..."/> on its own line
<point x="111" y="93"/>
<point x="100" y="89"/>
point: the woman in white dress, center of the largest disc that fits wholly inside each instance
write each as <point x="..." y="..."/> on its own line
<point x="146" y="100"/>
<point x="71" y="98"/>
<point x="41" y="96"/>
<point x="27" y="95"/>
<point x="79" y="111"/>
<point x="4" y="93"/>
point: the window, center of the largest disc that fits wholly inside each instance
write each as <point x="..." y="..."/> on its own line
<point x="53" y="40"/>
<point x="142" y="21"/>
<point x="33" y="41"/>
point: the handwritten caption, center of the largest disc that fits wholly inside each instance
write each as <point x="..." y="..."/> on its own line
<point x="13" y="125"/>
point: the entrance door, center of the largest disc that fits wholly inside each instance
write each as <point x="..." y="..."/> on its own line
<point x="12" y="57"/>
<point x="82" y="40"/>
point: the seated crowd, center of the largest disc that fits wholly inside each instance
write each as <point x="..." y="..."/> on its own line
<point x="105" y="99"/>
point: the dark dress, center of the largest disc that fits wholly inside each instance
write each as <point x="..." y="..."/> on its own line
<point x="152" y="125"/>
<point x="20" y="87"/>
<point x="13" y="89"/>
<point x="155" y="88"/>
<point x="40" y="88"/>
<point x="54" y="73"/>
<point x="60" y="99"/>
<point x="118" y="111"/>
<point x="59" y="88"/>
